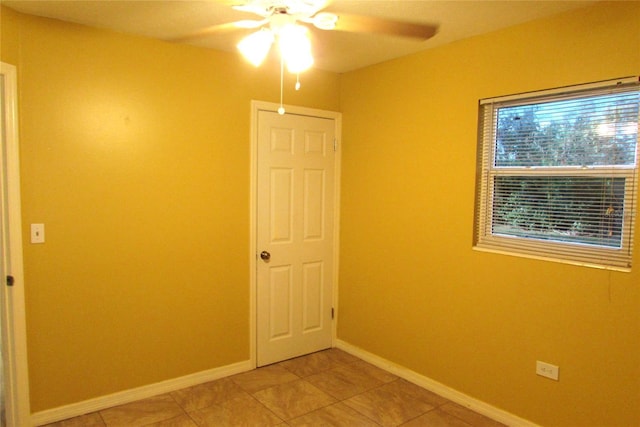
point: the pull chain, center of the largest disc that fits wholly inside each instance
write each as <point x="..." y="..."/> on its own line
<point x="281" y="109"/>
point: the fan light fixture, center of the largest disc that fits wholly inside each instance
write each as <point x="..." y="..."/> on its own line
<point x="255" y="46"/>
<point x="295" y="48"/>
<point x="279" y="24"/>
<point x="293" y="43"/>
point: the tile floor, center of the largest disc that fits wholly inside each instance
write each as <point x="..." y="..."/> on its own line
<point x="328" y="388"/>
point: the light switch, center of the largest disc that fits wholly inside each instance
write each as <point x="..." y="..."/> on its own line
<point x="37" y="233"/>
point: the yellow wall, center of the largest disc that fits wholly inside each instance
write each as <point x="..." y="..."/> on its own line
<point x="135" y="155"/>
<point x="413" y="291"/>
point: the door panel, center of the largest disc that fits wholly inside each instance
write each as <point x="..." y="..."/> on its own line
<point x="314" y="204"/>
<point x="280" y="291"/>
<point x="312" y="296"/>
<point x="295" y="221"/>
<point x="281" y="208"/>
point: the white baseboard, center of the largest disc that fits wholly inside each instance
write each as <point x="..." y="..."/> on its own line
<point x="76" y="409"/>
<point x="128" y="396"/>
<point x="436" y="387"/>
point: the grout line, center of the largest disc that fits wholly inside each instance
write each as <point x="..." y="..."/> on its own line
<point x="266" y="407"/>
<point x="334" y="359"/>
<point x="104" y="422"/>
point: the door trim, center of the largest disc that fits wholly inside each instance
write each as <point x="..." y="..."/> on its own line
<point x="256" y="107"/>
<point x="17" y="382"/>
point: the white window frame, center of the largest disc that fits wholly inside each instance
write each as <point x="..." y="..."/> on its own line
<point x="573" y="253"/>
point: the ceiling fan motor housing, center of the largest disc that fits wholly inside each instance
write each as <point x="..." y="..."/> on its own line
<point x="280" y="19"/>
<point x="265" y="8"/>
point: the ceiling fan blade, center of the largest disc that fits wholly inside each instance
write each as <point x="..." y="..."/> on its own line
<point x="222" y="29"/>
<point x="258" y="9"/>
<point x="369" y="24"/>
<point x="250" y="23"/>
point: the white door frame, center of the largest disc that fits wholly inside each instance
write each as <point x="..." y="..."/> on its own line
<point x="256" y="107"/>
<point x="13" y="324"/>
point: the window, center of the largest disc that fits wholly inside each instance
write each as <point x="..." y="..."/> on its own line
<point x="558" y="173"/>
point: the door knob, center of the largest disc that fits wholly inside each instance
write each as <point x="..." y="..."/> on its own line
<point x="266" y="256"/>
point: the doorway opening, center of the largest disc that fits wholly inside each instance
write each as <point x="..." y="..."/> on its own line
<point x="15" y="383"/>
<point x="295" y="176"/>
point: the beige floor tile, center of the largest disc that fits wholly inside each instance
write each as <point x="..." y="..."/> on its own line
<point x="181" y="421"/>
<point x="142" y="412"/>
<point x="387" y="406"/>
<point x="89" y="420"/>
<point x="338" y="415"/>
<point x="293" y="399"/>
<point x="471" y="417"/>
<point x="305" y="391"/>
<point x="340" y="356"/>
<point x="343" y="382"/>
<point x="207" y="394"/>
<point x="436" y="418"/>
<point x="241" y="411"/>
<point x="262" y="378"/>
<point x="313" y="363"/>
<point x="405" y="387"/>
<point x="374" y="371"/>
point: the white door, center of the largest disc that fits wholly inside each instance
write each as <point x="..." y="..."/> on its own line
<point x="14" y="393"/>
<point x="295" y="234"/>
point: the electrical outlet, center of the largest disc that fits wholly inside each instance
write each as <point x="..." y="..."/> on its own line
<point x="547" y="370"/>
<point x="37" y="233"/>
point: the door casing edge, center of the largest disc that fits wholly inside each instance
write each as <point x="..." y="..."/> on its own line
<point x="18" y="410"/>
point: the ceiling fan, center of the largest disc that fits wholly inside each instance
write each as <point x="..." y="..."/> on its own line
<point x="287" y="22"/>
<point x="278" y="13"/>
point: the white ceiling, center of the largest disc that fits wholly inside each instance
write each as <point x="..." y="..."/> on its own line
<point x="333" y="50"/>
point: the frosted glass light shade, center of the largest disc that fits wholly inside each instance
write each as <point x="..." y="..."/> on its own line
<point x="295" y="48"/>
<point x="255" y="46"/>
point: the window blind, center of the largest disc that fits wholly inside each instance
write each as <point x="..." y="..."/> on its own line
<point x="558" y="175"/>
